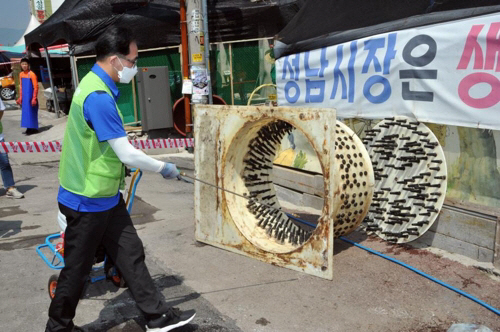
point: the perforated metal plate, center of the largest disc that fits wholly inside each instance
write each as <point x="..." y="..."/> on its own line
<point x="410" y="179"/>
<point x="354" y="172"/>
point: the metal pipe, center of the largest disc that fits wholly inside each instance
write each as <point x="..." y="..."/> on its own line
<point x="134" y="91"/>
<point x="54" y="92"/>
<point x="231" y="71"/>
<point x="185" y="63"/>
<point x="74" y="73"/>
<point x="251" y="199"/>
<point x="207" y="48"/>
<point x="257" y="89"/>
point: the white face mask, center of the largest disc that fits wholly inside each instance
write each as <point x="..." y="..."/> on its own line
<point x="126" y="74"/>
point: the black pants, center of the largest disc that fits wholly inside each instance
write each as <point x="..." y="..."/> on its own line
<point x="84" y="233"/>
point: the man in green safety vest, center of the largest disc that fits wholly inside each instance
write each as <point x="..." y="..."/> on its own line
<point x="91" y="173"/>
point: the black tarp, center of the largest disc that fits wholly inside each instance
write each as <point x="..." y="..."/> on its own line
<point x="10" y="55"/>
<point x="4" y="58"/>
<point x="156" y="22"/>
<point x="321" y="23"/>
<point x="4" y="65"/>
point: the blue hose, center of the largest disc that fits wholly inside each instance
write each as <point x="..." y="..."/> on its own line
<point x="301" y="221"/>
<point x="134" y="188"/>
<point x="461" y="292"/>
<point x="456" y="290"/>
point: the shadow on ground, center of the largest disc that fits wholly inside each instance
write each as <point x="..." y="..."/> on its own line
<point x="25" y="188"/>
<point x="121" y="312"/>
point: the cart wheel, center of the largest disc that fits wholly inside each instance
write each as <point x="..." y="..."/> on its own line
<point x="52" y="285"/>
<point x="116" y="278"/>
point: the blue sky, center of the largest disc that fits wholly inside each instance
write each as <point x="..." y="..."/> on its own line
<point x="14" y="14"/>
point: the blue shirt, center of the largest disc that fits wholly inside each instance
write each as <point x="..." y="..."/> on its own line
<point x="99" y="110"/>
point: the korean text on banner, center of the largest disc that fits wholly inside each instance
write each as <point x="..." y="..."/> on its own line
<point x="447" y="73"/>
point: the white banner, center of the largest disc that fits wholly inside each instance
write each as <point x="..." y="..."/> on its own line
<point x="447" y="73"/>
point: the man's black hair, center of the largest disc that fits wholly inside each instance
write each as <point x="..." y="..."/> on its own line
<point x="113" y="41"/>
<point x="25" y="60"/>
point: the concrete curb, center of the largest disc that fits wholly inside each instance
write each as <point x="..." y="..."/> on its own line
<point x="183" y="160"/>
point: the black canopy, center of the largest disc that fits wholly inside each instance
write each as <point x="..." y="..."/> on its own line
<point x="156" y="22"/>
<point x="4" y="59"/>
<point x="321" y="23"/>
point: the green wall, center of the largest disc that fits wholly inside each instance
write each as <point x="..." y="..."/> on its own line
<point x="246" y="71"/>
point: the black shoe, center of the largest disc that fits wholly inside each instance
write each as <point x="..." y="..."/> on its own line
<point x="172" y="319"/>
<point x="31" y="131"/>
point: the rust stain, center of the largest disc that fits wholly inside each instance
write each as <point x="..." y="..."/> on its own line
<point x="238" y="246"/>
<point x="397" y="249"/>
<point x="467" y="281"/>
<point x="217" y="147"/>
<point x="318" y="244"/>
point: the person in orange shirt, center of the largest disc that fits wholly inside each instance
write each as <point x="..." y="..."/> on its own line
<point x="28" y="90"/>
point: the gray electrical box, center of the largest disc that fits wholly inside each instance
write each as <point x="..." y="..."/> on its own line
<point x="154" y="98"/>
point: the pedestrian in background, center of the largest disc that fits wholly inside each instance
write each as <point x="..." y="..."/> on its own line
<point x="28" y="89"/>
<point x="5" y="169"/>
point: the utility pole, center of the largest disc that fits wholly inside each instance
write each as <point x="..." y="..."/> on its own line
<point x="31" y="7"/>
<point x="54" y="91"/>
<point x="207" y="48"/>
<point x="198" y="61"/>
<point x="185" y="65"/>
<point x="195" y="55"/>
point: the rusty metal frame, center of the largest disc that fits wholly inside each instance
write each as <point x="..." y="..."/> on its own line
<point x="221" y="130"/>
